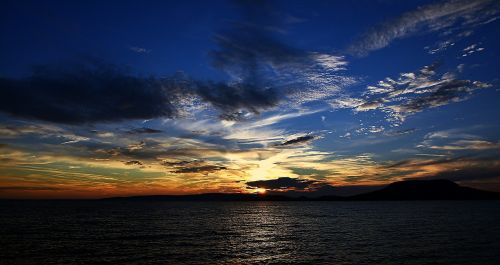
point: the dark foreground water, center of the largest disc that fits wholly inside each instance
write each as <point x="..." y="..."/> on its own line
<point x="86" y="232"/>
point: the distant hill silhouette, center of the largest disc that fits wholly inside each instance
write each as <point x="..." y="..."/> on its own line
<point x="440" y="189"/>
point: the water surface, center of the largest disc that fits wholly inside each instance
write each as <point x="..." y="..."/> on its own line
<point x="107" y="232"/>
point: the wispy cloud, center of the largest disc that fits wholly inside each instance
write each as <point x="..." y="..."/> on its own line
<point x="144" y="130"/>
<point x="139" y="49"/>
<point x="429" y="18"/>
<point x="416" y="91"/>
<point x="298" y="140"/>
<point x="469" y="50"/>
<point x="463" y="168"/>
<point x="468" y="145"/>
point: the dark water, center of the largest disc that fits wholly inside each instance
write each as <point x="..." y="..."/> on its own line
<point x="250" y="232"/>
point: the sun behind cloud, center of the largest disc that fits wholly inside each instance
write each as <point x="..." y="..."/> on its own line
<point x="260" y="191"/>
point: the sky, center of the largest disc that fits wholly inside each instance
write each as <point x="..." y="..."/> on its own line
<point x="122" y="98"/>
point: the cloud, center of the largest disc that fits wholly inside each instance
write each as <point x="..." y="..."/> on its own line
<point x="41" y="130"/>
<point x="344" y="102"/>
<point x="370" y="129"/>
<point x="16" y="130"/>
<point x="414" y="92"/>
<point x="400" y="132"/>
<point x="135" y="147"/>
<point x="74" y="139"/>
<point x="464" y="168"/>
<point x="103" y="134"/>
<point x="176" y="163"/>
<point x="440" y="46"/>
<point x="94" y="92"/>
<point x="139" y="49"/>
<point x="239" y="96"/>
<point x="133" y="162"/>
<point x="468" y="145"/>
<point x="85" y="94"/>
<point x="29" y="188"/>
<point x="457" y="140"/>
<point x="470" y="173"/>
<point x="469" y="50"/>
<point x="461" y="168"/>
<point x="451" y="133"/>
<point x="252" y="54"/>
<point x="143" y="130"/>
<point x="298" y="140"/>
<point x="264" y="72"/>
<point x="423" y="163"/>
<point x="281" y="183"/>
<point x="200" y="169"/>
<point x="429" y="18"/>
<point x="192" y="166"/>
<point x="440" y="94"/>
<point x="370" y="105"/>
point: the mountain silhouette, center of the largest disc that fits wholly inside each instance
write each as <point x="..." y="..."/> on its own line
<point x="439" y="189"/>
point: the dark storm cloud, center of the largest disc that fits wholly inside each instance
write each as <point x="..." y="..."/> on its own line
<point x="298" y="140"/>
<point x="82" y="94"/>
<point x="101" y="93"/>
<point x="232" y="98"/>
<point x="282" y="183"/>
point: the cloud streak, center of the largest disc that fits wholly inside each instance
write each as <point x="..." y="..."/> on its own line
<point x="298" y="140"/>
<point x="411" y="93"/>
<point x="428" y="18"/>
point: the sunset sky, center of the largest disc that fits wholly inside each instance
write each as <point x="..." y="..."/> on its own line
<point x="119" y="98"/>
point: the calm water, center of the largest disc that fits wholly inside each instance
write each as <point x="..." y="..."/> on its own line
<point x="250" y="232"/>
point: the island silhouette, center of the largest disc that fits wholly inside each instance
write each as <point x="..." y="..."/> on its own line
<point x="438" y="189"/>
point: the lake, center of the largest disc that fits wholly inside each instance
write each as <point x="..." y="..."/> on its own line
<point x="303" y="232"/>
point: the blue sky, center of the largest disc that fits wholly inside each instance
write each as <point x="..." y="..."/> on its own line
<point x="133" y="97"/>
